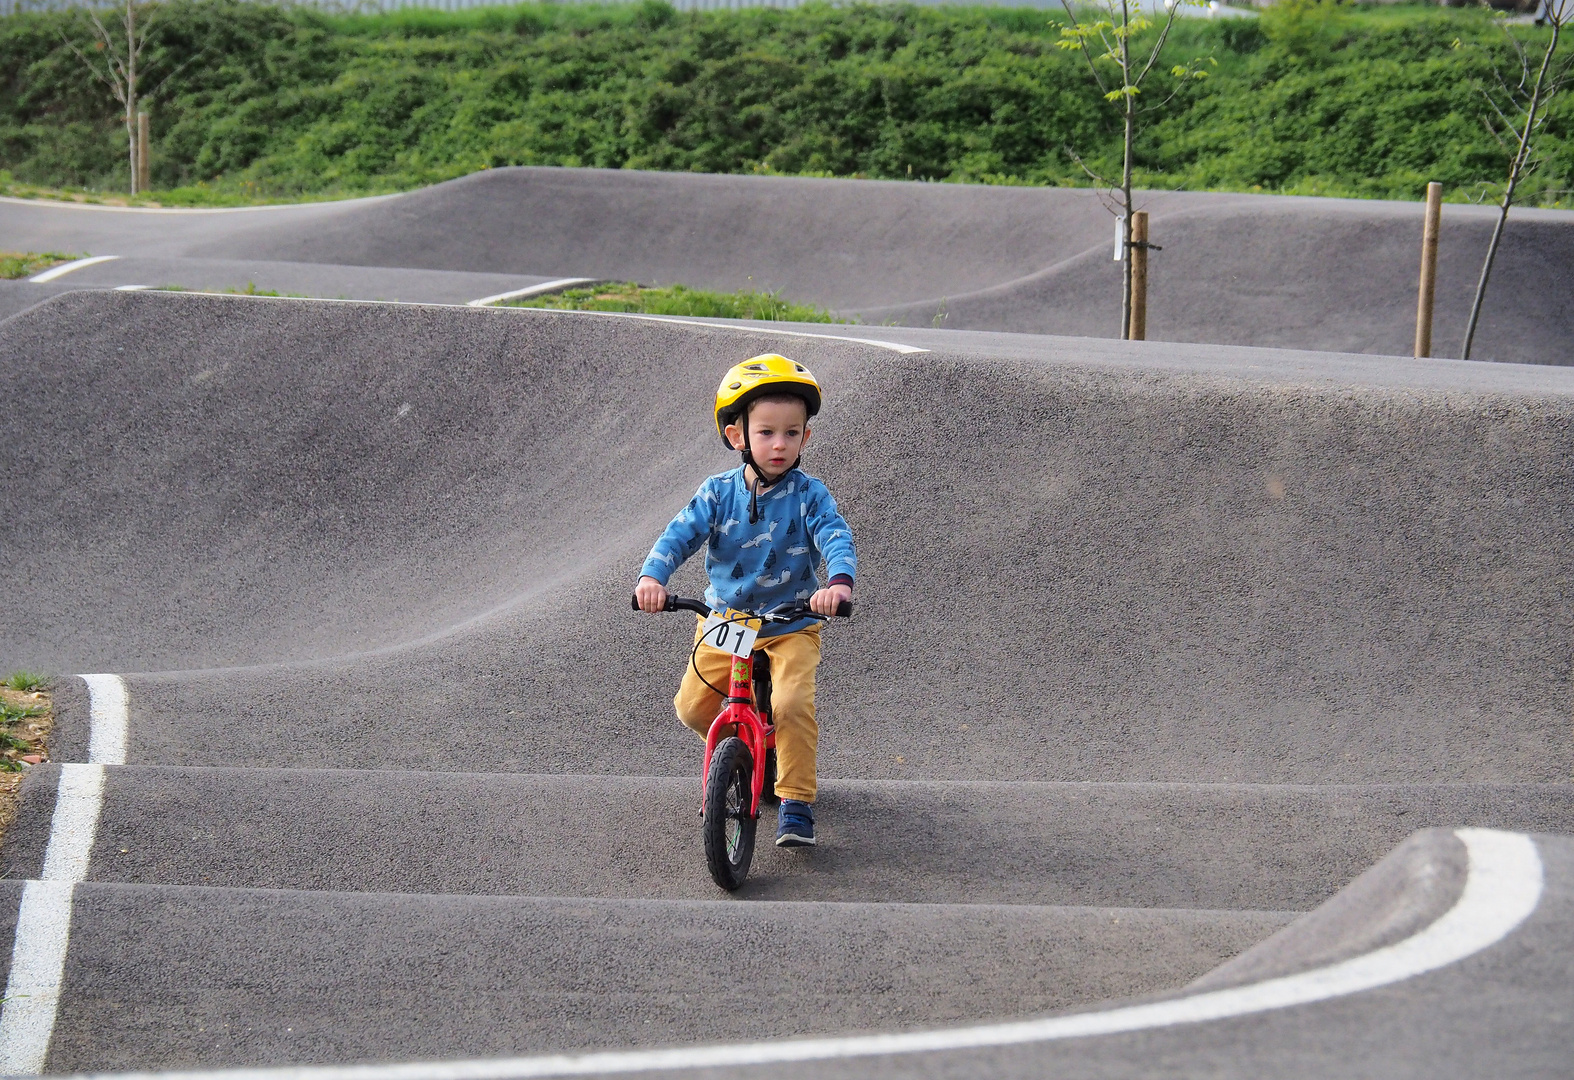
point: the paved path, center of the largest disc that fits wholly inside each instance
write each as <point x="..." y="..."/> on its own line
<point x="1159" y="648"/>
<point x="1300" y="273"/>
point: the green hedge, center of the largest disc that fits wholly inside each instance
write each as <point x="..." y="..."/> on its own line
<point x="291" y="102"/>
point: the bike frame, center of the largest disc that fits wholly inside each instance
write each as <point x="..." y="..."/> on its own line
<point x="740" y="711"/>
<point x="748" y="718"/>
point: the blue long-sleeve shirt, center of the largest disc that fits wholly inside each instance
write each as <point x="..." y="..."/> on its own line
<point x="758" y="567"/>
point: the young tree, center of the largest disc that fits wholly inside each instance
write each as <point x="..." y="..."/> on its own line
<point x="1106" y="37"/>
<point x="1520" y="101"/>
<point x="119" y="67"/>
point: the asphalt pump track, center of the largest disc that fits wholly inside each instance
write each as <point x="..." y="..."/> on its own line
<point x="1234" y="269"/>
<point x="1206" y="711"/>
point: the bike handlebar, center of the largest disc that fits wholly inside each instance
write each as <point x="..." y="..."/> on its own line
<point x="785" y="613"/>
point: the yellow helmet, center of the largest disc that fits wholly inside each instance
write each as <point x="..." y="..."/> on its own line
<point x="755" y="378"/>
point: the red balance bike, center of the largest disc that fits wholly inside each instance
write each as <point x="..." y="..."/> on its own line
<point x="740" y="749"/>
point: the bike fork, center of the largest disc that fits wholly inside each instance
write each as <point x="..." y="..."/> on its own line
<point x="741" y="712"/>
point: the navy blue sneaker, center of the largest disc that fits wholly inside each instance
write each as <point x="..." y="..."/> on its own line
<point x="795" y="824"/>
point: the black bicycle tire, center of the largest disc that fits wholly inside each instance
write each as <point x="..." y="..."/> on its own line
<point x="731" y="766"/>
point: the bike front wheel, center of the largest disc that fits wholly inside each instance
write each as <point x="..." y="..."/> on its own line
<point x="729" y="826"/>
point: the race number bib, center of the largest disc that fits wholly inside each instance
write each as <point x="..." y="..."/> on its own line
<point x="731" y="631"/>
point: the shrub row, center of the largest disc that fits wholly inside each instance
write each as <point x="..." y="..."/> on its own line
<point x="266" y="100"/>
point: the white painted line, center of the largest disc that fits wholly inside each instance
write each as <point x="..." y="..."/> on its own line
<point x="32" y="991"/>
<point x="75" y="822"/>
<point x="530" y="290"/>
<point x="66" y="268"/>
<point x="43" y="922"/>
<point x="107" y="734"/>
<point x="720" y="324"/>
<point x="132" y="288"/>
<point x="1501" y="890"/>
<point x="753" y="327"/>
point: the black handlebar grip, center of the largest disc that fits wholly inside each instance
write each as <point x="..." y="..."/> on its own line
<point x="845" y="609"/>
<point x="672" y="602"/>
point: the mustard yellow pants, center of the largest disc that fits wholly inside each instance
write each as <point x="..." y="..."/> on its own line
<point x="794" y="658"/>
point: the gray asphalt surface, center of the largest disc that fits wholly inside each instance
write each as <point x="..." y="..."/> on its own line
<point x="1302" y="273"/>
<point x="317" y="280"/>
<point x="1227" y="847"/>
<point x="1158" y="645"/>
<point x="1147" y="569"/>
<point x="224" y="975"/>
<point x="301" y="279"/>
<point x="1500" y="1013"/>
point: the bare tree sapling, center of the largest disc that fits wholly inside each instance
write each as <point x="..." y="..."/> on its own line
<point x="1520" y="100"/>
<point x="116" y="61"/>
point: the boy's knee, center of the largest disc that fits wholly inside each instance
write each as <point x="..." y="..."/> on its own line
<point x="792" y="708"/>
<point x="696" y="716"/>
<point x="685" y="713"/>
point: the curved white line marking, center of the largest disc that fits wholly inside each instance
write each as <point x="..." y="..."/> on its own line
<point x="1501" y="890"/>
<point x="739" y="325"/>
<point x="529" y="290"/>
<point x="65" y="268"/>
<point x="43" y="921"/>
<point x="753" y="327"/>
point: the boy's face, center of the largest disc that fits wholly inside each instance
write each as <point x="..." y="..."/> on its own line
<point x="777" y="432"/>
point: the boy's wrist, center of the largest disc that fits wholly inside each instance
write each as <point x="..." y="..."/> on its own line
<point x="840" y="579"/>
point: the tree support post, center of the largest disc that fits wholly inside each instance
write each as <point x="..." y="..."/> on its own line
<point x="1428" y="288"/>
<point x="1138" y="328"/>
<point x="144" y="166"/>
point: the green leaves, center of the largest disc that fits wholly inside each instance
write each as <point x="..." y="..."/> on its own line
<point x="289" y="101"/>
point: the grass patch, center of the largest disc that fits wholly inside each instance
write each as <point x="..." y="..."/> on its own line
<point x="250" y="290"/>
<point x="21" y="264"/>
<point x="26" y="718"/>
<point x="197" y="195"/>
<point x="25" y="681"/>
<point x="626" y="296"/>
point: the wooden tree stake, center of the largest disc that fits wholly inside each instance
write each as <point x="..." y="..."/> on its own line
<point x="144" y="166"/>
<point x="1428" y="290"/>
<point x="1139" y="276"/>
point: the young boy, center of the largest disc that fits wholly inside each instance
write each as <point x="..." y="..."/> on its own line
<point x="768" y="523"/>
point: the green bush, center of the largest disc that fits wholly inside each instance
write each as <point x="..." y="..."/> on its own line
<point x="290" y="102"/>
<point x="1332" y="102"/>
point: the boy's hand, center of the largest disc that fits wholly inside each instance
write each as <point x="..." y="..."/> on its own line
<point x="827" y="599"/>
<point x="652" y="594"/>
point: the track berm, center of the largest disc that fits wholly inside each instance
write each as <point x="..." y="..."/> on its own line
<point x="1158" y="648"/>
